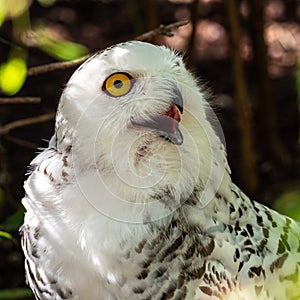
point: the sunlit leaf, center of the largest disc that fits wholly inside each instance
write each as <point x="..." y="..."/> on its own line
<point x="2" y="16"/>
<point x="13" y="8"/>
<point x="6" y="235"/>
<point x="53" y="44"/>
<point x="46" y="3"/>
<point x="64" y="50"/>
<point x="12" y="75"/>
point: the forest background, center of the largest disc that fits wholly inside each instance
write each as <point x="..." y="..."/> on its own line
<point x="246" y="54"/>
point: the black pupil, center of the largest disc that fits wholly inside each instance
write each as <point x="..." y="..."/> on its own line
<point x="118" y="84"/>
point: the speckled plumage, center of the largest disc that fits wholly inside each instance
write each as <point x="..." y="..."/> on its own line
<point x="185" y="230"/>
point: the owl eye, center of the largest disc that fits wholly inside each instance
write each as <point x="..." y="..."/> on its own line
<point x="118" y="84"/>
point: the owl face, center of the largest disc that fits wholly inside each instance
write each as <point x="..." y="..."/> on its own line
<point x="140" y="118"/>
<point x="131" y="88"/>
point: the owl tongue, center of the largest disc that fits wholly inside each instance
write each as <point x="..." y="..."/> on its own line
<point x="166" y="124"/>
<point x="173" y="113"/>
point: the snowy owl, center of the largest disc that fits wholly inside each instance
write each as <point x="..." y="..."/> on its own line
<point x="133" y="197"/>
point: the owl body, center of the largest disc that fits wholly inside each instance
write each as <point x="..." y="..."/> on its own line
<point x="133" y="197"/>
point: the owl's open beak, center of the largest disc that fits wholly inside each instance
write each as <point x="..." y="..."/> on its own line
<point x="167" y="124"/>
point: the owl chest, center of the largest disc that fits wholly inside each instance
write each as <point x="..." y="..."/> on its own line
<point x="148" y="270"/>
<point x="157" y="267"/>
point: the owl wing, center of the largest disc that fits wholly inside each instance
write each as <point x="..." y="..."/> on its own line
<point x="41" y="272"/>
<point x="44" y="284"/>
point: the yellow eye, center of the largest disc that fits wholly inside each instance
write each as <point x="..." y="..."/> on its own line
<point x="118" y="84"/>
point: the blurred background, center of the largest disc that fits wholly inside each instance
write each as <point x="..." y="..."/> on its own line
<point x="246" y="54"/>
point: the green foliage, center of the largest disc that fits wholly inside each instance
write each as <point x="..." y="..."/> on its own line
<point x="14" y="221"/>
<point x="2" y="16"/>
<point x="63" y="50"/>
<point x="288" y="202"/>
<point x="56" y="46"/>
<point x="7" y="235"/>
<point x="13" y="71"/>
<point x="21" y="293"/>
<point x="13" y="75"/>
<point x="13" y="9"/>
<point x="46" y="3"/>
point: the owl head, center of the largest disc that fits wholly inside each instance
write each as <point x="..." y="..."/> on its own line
<point x="138" y="118"/>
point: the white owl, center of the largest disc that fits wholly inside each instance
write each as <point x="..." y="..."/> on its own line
<point x="133" y="197"/>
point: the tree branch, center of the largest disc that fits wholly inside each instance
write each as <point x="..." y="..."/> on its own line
<point x="249" y="175"/>
<point x="56" y="66"/>
<point x="18" y="100"/>
<point x="265" y="108"/>
<point x="161" y="30"/>
<point x="195" y="7"/>
<point x="20" y="142"/>
<point x="24" y="122"/>
<point x="148" y="36"/>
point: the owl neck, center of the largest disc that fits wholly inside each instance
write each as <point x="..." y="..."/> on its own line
<point x="230" y="208"/>
<point x="212" y="196"/>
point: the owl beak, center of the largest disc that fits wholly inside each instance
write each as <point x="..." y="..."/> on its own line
<point x="167" y="124"/>
<point x="177" y="99"/>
